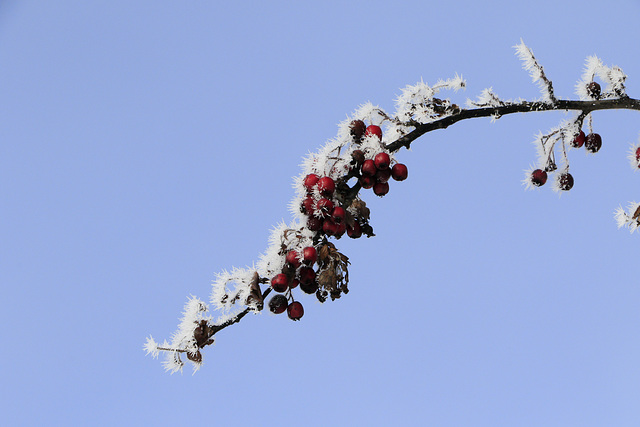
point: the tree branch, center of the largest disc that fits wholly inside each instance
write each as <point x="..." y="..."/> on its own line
<point x="522" y="107"/>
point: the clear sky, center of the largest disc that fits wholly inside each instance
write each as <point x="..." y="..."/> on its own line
<point x="147" y="145"/>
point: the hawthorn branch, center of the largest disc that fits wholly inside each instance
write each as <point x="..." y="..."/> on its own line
<point x="585" y="107"/>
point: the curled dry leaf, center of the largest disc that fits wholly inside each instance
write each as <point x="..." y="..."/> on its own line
<point x="255" y="298"/>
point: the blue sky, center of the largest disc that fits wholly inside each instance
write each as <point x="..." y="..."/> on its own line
<point x="147" y="145"/>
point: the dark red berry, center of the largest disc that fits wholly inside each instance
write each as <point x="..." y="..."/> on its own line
<point x="309" y="255"/>
<point x="367" y="181"/>
<point x="374" y="130"/>
<point x="295" y="311"/>
<point x="329" y="227"/>
<point x="326" y="186"/>
<point x="399" y="172"/>
<point x="293" y="259"/>
<point x="338" y="214"/>
<point x="309" y="287"/>
<point x="325" y="207"/>
<point x="382" y="160"/>
<point x="306" y="275"/>
<point x="368" y="168"/>
<point x="357" y="129"/>
<point x="538" y="177"/>
<point x="578" y="140"/>
<point x="565" y="181"/>
<point x="278" y="304"/>
<point x="355" y="231"/>
<point x="381" y="188"/>
<point x="593" y="90"/>
<point x="593" y="142"/>
<point x="308" y="205"/>
<point x="293" y="283"/>
<point x="638" y="153"/>
<point x="358" y="157"/>
<point x="383" y="175"/>
<point x="310" y="181"/>
<point x="314" y="224"/>
<point x="280" y="282"/>
<point x="341" y="228"/>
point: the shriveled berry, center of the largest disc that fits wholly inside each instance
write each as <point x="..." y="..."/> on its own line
<point x="399" y="172"/>
<point x="357" y="129"/>
<point x="280" y="282"/>
<point x="381" y="188"/>
<point x="367" y="181"/>
<point x="326" y="186"/>
<point x="314" y="224"/>
<point x="295" y="311"/>
<point x="310" y="181"/>
<point x="538" y="177"/>
<point x="357" y="157"/>
<point x="329" y="227"/>
<point x="565" y="181"/>
<point x="338" y="215"/>
<point x="293" y="259"/>
<point x="309" y="287"/>
<point x="368" y="168"/>
<point x="306" y="275"/>
<point x="593" y="90"/>
<point x="325" y="207"/>
<point x="355" y="231"/>
<point x="309" y="255"/>
<point x="593" y="142"/>
<point x="578" y="141"/>
<point x="382" y="160"/>
<point x="278" y="304"/>
<point x="373" y="130"/>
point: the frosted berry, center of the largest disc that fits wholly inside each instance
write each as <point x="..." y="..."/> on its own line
<point x="638" y="156"/>
<point x="381" y="188"/>
<point x="292" y="259"/>
<point x="324" y="206"/>
<point x="306" y="275"/>
<point x="367" y="181"/>
<point x="374" y="130"/>
<point x="308" y="205"/>
<point x="280" y="282"/>
<point x="295" y="311"/>
<point x="338" y="214"/>
<point x="278" y="304"/>
<point x="355" y="231"/>
<point x="329" y="227"/>
<point x="399" y="172"/>
<point x="593" y="142"/>
<point x="383" y="175"/>
<point x="310" y="181"/>
<point x="309" y="255"/>
<point x="538" y="177"/>
<point x="326" y="186"/>
<point x="565" y="181"/>
<point x="593" y="90"/>
<point x="357" y="157"/>
<point x="382" y="160"/>
<point x="314" y="224"/>
<point x="578" y="141"/>
<point x="369" y="168"/>
<point x="357" y="129"/>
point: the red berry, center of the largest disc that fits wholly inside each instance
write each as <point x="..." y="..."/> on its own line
<point x="324" y="206"/>
<point x="578" y="140"/>
<point x="593" y="90"/>
<point x="367" y="181"/>
<point x="308" y="206"/>
<point x="593" y="143"/>
<point x="538" y="177"/>
<point x="309" y="255"/>
<point x="295" y="311"/>
<point x="357" y="129"/>
<point x="383" y="175"/>
<point x="340" y="229"/>
<point x="278" y="304"/>
<point x="381" y="188"/>
<point x="280" y="282"/>
<point x="338" y="214"/>
<point x="369" y="168"/>
<point x="638" y="153"/>
<point x="293" y="283"/>
<point x="306" y="275"/>
<point x="329" y="227"/>
<point x="309" y="287"/>
<point x="399" y="172"/>
<point x="374" y="130"/>
<point x="355" y="231"/>
<point x="314" y="224"/>
<point x="326" y="186"/>
<point x="382" y="160"/>
<point x="310" y="181"/>
<point x="565" y="181"/>
<point x="357" y="157"/>
<point x="292" y="259"/>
